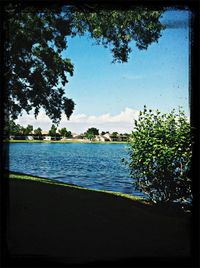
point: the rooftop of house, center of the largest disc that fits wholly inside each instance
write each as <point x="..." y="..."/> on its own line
<point x="45" y="132"/>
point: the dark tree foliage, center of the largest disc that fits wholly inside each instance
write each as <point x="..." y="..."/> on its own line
<point x="116" y="29"/>
<point x="53" y="131"/>
<point x="91" y="133"/>
<point x="65" y="133"/>
<point x="38" y="131"/>
<point x="36" y="72"/>
<point x="26" y="130"/>
<point x="11" y="128"/>
<point x="115" y="134"/>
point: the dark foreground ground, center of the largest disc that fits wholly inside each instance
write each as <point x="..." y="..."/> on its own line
<point x="72" y="225"/>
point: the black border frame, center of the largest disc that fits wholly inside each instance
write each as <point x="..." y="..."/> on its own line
<point x="194" y="260"/>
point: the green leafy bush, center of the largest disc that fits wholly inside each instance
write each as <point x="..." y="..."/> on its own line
<point x="160" y="156"/>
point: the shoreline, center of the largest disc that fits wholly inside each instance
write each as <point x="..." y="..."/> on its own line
<point x="23" y="176"/>
<point x="138" y="199"/>
<point x="66" y="141"/>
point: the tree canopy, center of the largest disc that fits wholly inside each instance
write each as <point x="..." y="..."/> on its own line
<point x="115" y="134"/>
<point x="27" y="130"/>
<point x="53" y="131"/>
<point x="36" y="72"/>
<point x="11" y="128"/>
<point x="91" y="133"/>
<point x="38" y="132"/>
<point x="65" y="133"/>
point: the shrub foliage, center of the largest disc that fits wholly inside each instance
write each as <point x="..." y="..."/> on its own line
<point x="160" y="156"/>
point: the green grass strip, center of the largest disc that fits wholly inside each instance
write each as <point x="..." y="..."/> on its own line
<point x="19" y="176"/>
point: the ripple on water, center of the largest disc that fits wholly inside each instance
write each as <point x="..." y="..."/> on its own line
<point x="93" y="166"/>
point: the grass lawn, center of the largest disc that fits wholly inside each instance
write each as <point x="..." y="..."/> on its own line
<point x="71" y="224"/>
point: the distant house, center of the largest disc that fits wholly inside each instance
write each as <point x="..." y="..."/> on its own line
<point x="110" y="137"/>
<point x="64" y="138"/>
<point x="99" y="138"/>
<point x="30" y="138"/>
<point x="114" y="138"/>
<point x="37" y="137"/>
<point x="19" y="137"/>
<point x="102" y="138"/>
<point x="47" y="138"/>
<point x="56" y="138"/>
<point x="45" y="135"/>
<point x="124" y="138"/>
<point x="107" y="137"/>
<point x="45" y="132"/>
<point x="77" y="136"/>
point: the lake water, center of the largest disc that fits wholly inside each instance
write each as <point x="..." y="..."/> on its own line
<point x="95" y="166"/>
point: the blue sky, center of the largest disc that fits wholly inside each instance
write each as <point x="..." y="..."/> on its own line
<point x="108" y="96"/>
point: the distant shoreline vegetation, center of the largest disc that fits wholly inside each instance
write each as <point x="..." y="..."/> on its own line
<point x="65" y="141"/>
<point x="15" y="132"/>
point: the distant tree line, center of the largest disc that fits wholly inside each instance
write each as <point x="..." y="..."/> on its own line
<point x="91" y="133"/>
<point x="13" y="129"/>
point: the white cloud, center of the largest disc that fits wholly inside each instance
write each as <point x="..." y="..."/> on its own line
<point x="122" y="122"/>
